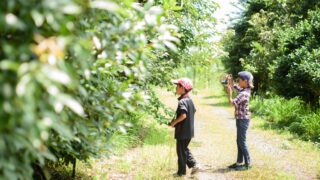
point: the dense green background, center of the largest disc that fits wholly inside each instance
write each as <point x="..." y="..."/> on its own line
<point x="278" y="40"/>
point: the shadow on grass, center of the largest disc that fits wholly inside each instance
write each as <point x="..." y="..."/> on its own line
<point x="222" y="170"/>
<point x="219" y="104"/>
<point x="217" y="171"/>
<point x="67" y="174"/>
<point x="269" y="126"/>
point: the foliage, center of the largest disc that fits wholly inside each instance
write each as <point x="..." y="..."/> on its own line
<point x="298" y="67"/>
<point x="292" y="115"/>
<point x="73" y="73"/>
<point x="278" y="41"/>
<point x="197" y="52"/>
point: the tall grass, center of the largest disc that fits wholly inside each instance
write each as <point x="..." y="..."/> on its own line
<point x="293" y="115"/>
<point x="146" y="130"/>
<point x="143" y="131"/>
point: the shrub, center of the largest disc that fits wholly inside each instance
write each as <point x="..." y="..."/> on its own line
<point x="290" y="114"/>
<point x="311" y="126"/>
<point x="278" y="109"/>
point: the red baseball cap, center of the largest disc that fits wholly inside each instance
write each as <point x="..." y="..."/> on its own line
<point x="184" y="82"/>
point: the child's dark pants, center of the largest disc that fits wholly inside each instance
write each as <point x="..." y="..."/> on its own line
<point x="184" y="156"/>
<point x="243" y="152"/>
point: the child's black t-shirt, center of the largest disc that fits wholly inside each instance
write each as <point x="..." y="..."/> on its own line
<point x="185" y="129"/>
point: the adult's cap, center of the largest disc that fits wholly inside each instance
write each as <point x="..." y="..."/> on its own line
<point x="184" y="82"/>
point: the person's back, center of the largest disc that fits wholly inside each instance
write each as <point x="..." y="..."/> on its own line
<point x="185" y="129"/>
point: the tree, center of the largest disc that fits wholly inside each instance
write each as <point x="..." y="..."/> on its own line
<point x="277" y="41"/>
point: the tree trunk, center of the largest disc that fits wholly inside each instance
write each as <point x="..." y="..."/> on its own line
<point x="74" y="168"/>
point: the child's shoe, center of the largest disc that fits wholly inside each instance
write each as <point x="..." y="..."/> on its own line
<point x="233" y="166"/>
<point x="243" y="167"/>
<point x="195" y="169"/>
<point x="178" y="175"/>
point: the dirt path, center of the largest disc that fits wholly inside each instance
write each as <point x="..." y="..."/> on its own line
<point x="274" y="156"/>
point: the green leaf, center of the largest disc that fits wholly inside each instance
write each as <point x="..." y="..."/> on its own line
<point x="9" y="65"/>
<point x="104" y="5"/>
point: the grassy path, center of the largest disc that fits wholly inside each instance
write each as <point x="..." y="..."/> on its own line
<point x="274" y="155"/>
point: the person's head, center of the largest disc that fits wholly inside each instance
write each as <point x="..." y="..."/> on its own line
<point x="245" y="79"/>
<point x="184" y="85"/>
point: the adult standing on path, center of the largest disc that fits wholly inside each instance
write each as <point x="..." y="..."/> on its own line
<point x="242" y="115"/>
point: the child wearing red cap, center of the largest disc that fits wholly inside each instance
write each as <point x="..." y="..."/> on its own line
<point x="184" y="126"/>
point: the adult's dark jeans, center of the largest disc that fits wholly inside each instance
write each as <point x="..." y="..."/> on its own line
<point x="184" y="156"/>
<point x="243" y="152"/>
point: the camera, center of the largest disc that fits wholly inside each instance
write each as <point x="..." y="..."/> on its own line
<point x="225" y="82"/>
<point x="225" y="79"/>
